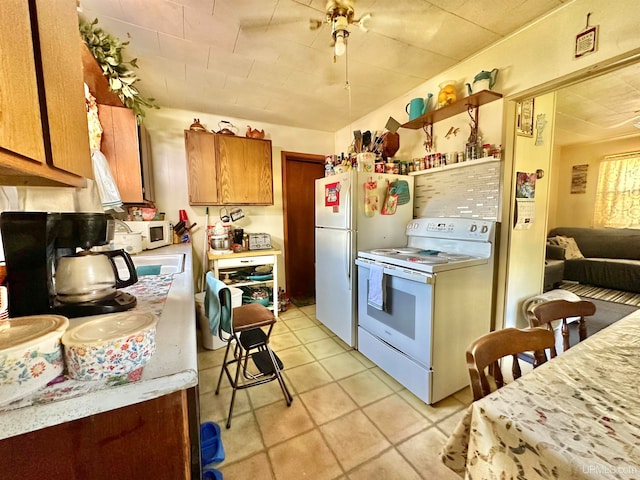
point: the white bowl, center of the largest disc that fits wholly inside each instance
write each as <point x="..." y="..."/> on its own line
<point x="30" y="354"/>
<point x="116" y="345"/>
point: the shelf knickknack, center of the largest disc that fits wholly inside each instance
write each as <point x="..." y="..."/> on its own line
<point x="108" y="53"/>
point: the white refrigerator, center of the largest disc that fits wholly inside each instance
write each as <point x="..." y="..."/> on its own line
<point x="354" y="211"/>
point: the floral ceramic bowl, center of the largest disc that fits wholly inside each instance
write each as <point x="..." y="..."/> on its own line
<point x="30" y="354"/>
<point x="111" y="346"/>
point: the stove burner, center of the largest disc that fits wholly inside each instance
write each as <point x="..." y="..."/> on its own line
<point x="383" y="251"/>
<point x="406" y="250"/>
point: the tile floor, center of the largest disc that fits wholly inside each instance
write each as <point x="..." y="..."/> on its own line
<point x="348" y="420"/>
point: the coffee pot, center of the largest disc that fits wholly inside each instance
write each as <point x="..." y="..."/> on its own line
<point x="91" y="276"/>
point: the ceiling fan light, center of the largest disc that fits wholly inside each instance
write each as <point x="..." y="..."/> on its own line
<point x="340" y="46"/>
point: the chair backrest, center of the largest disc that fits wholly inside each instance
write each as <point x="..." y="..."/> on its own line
<point x="560" y="310"/>
<point x="487" y="350"/>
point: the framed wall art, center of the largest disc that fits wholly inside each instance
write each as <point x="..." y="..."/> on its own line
<point x="524" y="118"/>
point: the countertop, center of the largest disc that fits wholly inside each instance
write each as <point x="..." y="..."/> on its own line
<point x="173" y="367"/>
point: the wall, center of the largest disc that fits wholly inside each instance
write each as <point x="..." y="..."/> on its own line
<point x="166" y="130"/>
<point x="576" y="210"/>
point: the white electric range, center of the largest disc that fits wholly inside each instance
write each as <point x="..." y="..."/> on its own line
<point x="420" y="305"/>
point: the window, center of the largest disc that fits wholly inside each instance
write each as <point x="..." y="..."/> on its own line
<point x="617" y="201"/>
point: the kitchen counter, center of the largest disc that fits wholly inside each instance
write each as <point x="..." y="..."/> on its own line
<point x="173" y="367"/>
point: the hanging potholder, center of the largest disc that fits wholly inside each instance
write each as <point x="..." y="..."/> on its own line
<point x="402" y="189"/>
<point x="390" y="202"/>
<point x="370" y="197"/>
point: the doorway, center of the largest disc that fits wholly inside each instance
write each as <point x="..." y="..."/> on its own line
<point x="299" y="172"/>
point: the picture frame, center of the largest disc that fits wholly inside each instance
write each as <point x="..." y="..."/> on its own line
<point x="524" y="118"/>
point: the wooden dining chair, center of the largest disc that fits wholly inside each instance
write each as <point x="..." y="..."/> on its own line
<point x="486" y="351"/>
<point x="545" y="313"/>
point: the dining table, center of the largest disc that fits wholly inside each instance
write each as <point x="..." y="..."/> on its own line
<point x="577" y="416"/>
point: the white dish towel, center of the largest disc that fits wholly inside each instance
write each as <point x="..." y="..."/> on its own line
<point x="377" y="288"/>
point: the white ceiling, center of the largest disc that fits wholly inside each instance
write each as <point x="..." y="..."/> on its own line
<point x="259" y="59"/>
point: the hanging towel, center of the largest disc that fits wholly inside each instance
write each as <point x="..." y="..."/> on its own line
<point x="212" y="308"/>
<point x="377" y="286"/>
<point x="107" y="188"/>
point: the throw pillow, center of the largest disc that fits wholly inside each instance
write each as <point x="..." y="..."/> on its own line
<point x="571" y="250"/>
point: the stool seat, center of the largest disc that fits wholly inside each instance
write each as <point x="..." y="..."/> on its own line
<point x="252" y="315"/>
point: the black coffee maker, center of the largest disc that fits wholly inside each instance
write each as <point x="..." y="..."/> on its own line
<point x="34" y="244"/>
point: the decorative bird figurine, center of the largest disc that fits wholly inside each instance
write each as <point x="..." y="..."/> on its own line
<point x="254" y="133"/>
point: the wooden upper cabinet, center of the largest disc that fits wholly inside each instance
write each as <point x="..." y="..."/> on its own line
<point x="125" y="147"/>
<point x="44" y="136"/>
<point x="228" y="170"/>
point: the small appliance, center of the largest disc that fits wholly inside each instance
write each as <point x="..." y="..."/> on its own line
<point x="51" y="268"/>
<point x="259" y="241"/>
<point x="155" y="233"/>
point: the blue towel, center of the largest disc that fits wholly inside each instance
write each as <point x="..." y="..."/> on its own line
<point x="377" y="288"/>
<point x="212" y="303"/>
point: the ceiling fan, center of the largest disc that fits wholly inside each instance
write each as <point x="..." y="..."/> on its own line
<point x="339" y="15"/>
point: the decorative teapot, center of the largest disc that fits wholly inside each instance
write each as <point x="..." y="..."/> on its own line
<point x="483" y="81"/>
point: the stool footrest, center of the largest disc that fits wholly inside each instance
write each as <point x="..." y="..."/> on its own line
<point x="263" y="362"/>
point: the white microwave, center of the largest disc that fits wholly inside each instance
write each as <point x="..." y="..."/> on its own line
<point x="155" y="234"/>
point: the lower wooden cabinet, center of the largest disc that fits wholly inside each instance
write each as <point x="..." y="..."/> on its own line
<point x="228" y="170"/>
<point x="146" y="440"/>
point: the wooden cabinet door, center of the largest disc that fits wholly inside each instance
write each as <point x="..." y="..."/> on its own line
<point x="41" y="67"/>
<point x="120" y="146"/>
<point x="20" y="122"/>
<point x="201" y="168"/>
<point x="244" y="170"/>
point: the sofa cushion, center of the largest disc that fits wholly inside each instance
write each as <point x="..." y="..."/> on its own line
<point x="603" y="242"/>
<point x="614" y="273"/>
<point x="570" y="246"/>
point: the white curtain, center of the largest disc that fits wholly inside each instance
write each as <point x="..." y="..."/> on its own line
<point x="617" y="202"/>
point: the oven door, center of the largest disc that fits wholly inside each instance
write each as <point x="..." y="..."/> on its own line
<point x="405" y="321"/>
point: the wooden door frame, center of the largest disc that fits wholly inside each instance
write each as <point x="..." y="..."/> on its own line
<point x="284" y="158"/>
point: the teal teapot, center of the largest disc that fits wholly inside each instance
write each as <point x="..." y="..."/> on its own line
<point x="483" y="81"/>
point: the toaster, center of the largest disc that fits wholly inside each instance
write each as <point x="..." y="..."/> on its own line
<point x="259" y="241"/>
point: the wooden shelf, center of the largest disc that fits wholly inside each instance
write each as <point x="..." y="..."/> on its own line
<point x="474" y="100"/>
<point x="467" y="163"/>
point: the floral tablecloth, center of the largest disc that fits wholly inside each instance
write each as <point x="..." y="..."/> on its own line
<point x="151" y="292"/>
<point x="574" y="417"/>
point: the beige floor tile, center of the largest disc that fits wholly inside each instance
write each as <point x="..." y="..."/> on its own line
<point x="396" y="418"/>
<point x="365" y="388"/>
<point x="310" y="334"/>
<point x="307" y="377"/>
<point x="465" y="396"/>
<point x="295" y="356"/>
<point x="299" y="322"/>
<point x="361" y="358"/>
<point x="326" y="330"/>
<point x="215" y="408"/>
<point x="278" y="422"/>
<point x="256" y="467"/>
<point x="449" y="424"/>
<point x="278" y="329"/>
<point x="327" y="403"/>
<point x="306" y="456"/>
<point x="210" y="358"/>
<point x="208" y="379"/>
<point x="309" y="310"/>
<point x="354" y="439"/>
<point x="324" y="348"/>
<point x="291" y="312"/>
<point x="392" y="383"/>
<point x="342" y="344"/>
<point x="436" y="412"/>
<point x="342" y="365"/>
<point x="422" y="451"/>
<point x="284" y="340"/>
<point x="265" y="394"/>
<point x="243" y="439"/>
<point x="388" y="466"/>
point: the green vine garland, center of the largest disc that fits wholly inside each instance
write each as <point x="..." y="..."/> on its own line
<point x="107" y="51"/>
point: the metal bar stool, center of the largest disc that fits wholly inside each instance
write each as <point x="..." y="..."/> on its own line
<point x="243" y="330"/>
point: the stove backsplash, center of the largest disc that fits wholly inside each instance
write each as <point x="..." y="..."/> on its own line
<point x="469" y="191"/>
